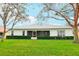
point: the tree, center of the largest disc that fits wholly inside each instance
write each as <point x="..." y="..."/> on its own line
<point x="65" y="11"/>
<point x="10" y="14"/>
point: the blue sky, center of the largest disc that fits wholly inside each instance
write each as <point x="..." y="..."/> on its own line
<point x="35" y="8"/>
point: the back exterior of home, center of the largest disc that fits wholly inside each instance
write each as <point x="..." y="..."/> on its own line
<point x="35" y="31"/>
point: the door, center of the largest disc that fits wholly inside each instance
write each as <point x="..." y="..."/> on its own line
<point x="34" y="33"/>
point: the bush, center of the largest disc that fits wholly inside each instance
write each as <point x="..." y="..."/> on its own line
<point x="56" y="37"/>
<point x="44" y="38"/>
<point x="18" y="37"/>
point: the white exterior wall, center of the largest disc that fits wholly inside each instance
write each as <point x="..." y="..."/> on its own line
<point x="25" y="32"/>
<point x="8" y="33"/>
<point x="17" y="32"/>
<point x="53" y="32"/>
<point x="68" y="32"/>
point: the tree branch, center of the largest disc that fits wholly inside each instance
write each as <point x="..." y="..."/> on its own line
<point x="66" y="17"/>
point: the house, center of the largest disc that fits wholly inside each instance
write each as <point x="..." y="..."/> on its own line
<point x="1" y="31"/>
<point x="42" y="31"/>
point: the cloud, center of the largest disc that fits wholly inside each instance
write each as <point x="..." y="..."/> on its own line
<point x="32" y="20"/>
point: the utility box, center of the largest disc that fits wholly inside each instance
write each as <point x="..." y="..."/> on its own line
<point x="34" y="38"/>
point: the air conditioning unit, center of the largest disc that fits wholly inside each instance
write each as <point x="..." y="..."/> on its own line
<point x="33" y="38"/>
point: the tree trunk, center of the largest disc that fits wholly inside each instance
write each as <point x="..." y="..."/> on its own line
<point x="75" y="26"/>
<point x="4" y="37"/>
<point x="4" y="33"/>
<point x="75" y="32"/>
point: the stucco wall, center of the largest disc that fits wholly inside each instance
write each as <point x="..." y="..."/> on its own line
<point x="25" y="32"/>
<point x="53" y="32"/>
<point x="68" y="32"/>
<point x="9" y="33"/>
<point x="18" y="32"/>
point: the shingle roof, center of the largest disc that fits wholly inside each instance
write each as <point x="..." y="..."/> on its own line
<point x="42" y="27"/>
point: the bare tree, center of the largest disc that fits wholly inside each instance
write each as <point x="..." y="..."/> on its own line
<point x="11" y="13"/>
<point x="65" y="11"/>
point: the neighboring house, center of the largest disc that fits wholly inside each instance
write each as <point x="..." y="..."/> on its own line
<point x="1" y="31"/>
<point x="41" y="30"/>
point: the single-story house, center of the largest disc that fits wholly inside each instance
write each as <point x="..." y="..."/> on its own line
<point x="35" y="31"/>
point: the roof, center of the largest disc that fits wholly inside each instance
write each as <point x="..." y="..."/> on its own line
<point x="38" y="27"/>
<point x="43" y="27"/>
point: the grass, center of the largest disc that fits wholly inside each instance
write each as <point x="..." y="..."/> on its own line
<point x="39" y="48"/>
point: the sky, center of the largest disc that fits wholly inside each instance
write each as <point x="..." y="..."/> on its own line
<point x="33" y="11"/>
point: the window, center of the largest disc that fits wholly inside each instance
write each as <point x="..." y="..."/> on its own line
<point x="61" y="33"/>
<point x="23" y="33"/>
<point x="12" y="34"/>
<point x="34" y="33"/>
<point x="38" y="33"/>
<point x="29" y="33"/>
<point x="43" y="33"/>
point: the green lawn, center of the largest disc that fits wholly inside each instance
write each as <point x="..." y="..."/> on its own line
<point x="39" y="48"/>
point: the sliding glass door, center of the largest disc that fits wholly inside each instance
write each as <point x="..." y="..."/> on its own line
<point x="38" y="33"/>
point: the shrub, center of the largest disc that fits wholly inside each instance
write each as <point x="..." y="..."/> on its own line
<point x="44" y="38"/>
<point x="18" y="37"/>
<point x="56" y="37"/>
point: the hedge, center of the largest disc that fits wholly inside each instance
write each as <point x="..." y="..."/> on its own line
<point x="47" y="37"/>
<point x="18" y="37"/>
<point x="56" y="37"/>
